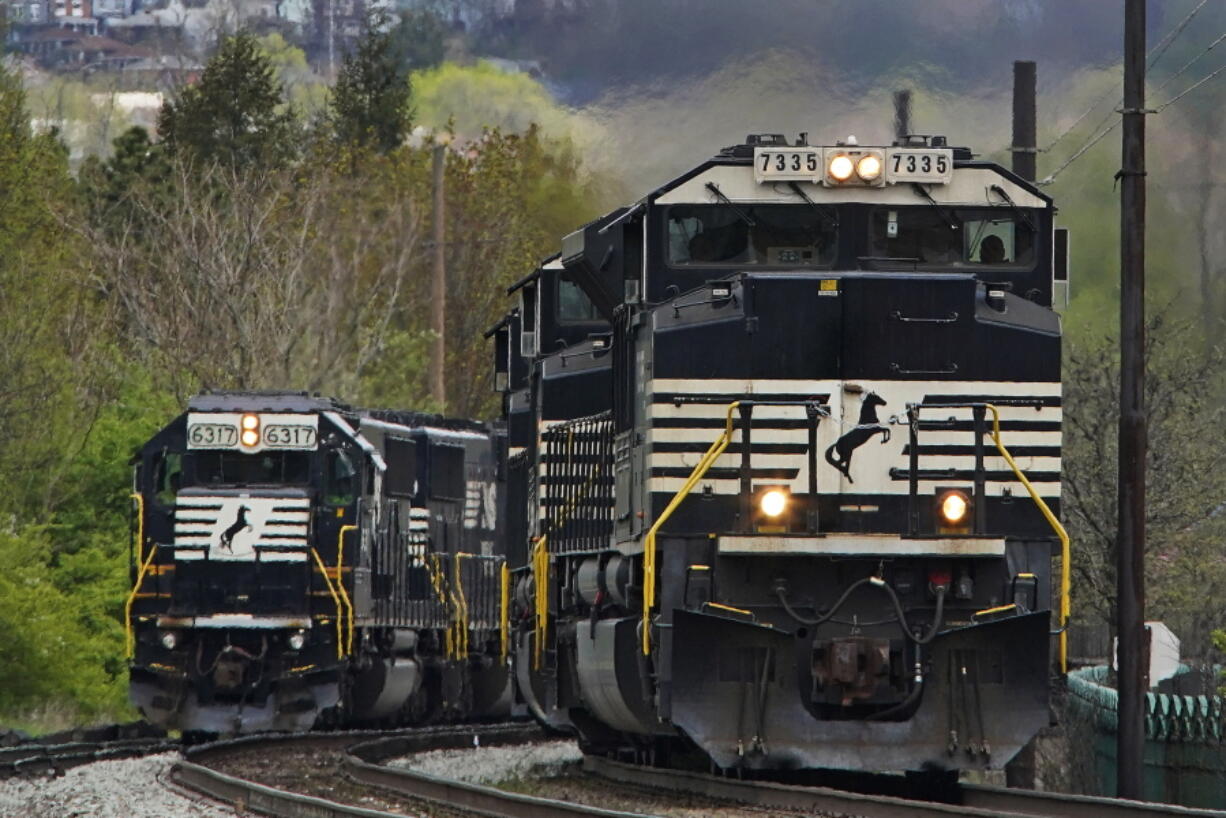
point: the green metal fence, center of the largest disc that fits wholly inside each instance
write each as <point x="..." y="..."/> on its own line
<point x="1185" y="747"/>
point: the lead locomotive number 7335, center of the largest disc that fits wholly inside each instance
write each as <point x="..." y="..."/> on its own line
<point x="784" y="462"/>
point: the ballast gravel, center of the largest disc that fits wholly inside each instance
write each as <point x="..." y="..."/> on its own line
<point x="491" y="765"/>
<point x="124" y="788"/>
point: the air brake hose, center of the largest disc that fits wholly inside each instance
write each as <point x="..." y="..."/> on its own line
<point x="781" y="592"/>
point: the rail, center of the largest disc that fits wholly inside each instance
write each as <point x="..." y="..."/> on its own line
<point x="649" y="541"/>
<point x="1065" y="577"/>
<point x="129" y="634"/>
<point x="340" y="633"/>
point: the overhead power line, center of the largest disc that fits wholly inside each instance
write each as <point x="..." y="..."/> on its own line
<point x="1155" y="54"/>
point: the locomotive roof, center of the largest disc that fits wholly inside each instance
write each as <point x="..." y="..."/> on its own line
<point x="264" y="401"/>
<point x="743" y="156"/>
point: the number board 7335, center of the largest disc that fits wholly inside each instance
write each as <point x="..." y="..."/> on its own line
<point x="808" y="164"/>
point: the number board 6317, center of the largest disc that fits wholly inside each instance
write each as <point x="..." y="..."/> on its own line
<point x="285" y="436"/>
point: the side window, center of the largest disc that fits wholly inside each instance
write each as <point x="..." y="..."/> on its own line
<point x="401" y="479"/>
<point x="340" y="481"/>
<point x="573" y="303"/>
<point x="447" y="471"/>
<point x="167" y="477"/>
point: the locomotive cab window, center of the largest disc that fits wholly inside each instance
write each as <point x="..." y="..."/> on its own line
<point x="241" y="469"/>
<point x="340" y="479"/>
<point x="766" y="235"/>
<point x="964" y="238"/>
<point x="167" y="477"/>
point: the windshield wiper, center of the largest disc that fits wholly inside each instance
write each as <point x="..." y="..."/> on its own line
<point x="826" y="213"/>
<point x="741" y="214"/>
<point x="1017" y="211"/>
<point x="923" y="192"/>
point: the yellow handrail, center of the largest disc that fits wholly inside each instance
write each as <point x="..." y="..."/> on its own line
<point x="540" y="556"/>
<point x="323" y="569"/>
<point x="460" y="620"/>
<point x="140" y="526"/>
<point x="504" y="611"/>
<point x="649" y="542"/>
<point x="434" y="566"/>
<point x="340" y="581"/>
<point x="540" y="576"/>
<point x="1065" y="582"/>
<point x="128" y="634"/>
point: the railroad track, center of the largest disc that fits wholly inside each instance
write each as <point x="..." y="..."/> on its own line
<point x="57" y="752"/>
<point x="364" y="754"/>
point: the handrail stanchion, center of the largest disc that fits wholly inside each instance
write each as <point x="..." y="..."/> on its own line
<point x="1065" y="581"/>
<point x="340" y="634"/>
<point x="128" y="631"/>
<point x="340" y="581"/>
<point x="649" y="541"/>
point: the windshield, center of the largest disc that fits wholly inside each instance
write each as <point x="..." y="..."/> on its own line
<point x="952" y="237"/>
<point x="265" y="468"/>
<point x="774" y="235"/>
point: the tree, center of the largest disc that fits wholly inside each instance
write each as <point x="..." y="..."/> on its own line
<point x="235" y="115"/>
<point x="1186" y="490"/>
<point x="419" y="40"/>
<point x="370" y="102"/>
<point x="288" y="280"/>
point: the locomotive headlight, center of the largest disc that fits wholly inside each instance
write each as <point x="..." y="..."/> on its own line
<point x="296" y="640"/>
<point x="773" y="502"/>
<point x="868" y="168"/>
<point x="251" y="430"/>
<point x="170" y="640"/>
<point x="954" y="506"/>
<point x="841" y="168"/>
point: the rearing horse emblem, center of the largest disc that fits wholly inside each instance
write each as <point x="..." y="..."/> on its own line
<point x="839" y="455"/>
<point x="226" y="540"/>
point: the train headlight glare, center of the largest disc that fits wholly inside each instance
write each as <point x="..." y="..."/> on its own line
<point x="868" y="168"/>
<point x="250" y="437"/>
<point x="954" y="506"/>
<point x="251" y="422"/>
<point x="170" y="640"/>
<point x="841" y="168"/>
<point x="297" y="640"/>
<point x="774" y="502"/>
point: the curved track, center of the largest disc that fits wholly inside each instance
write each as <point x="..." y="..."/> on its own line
<point x="363" y="754"/>
<point x="57" y="752"/>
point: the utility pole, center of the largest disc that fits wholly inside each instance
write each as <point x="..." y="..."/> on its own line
<point x="1130" y="541"/>
<point x="1020" y="771"/>
<point x="438" y="284"/>
<point x="1024" y="131"/>
<point x="902" y="115"/>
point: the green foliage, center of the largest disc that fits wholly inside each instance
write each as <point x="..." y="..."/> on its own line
<point x="47" y="652"/>
<point x="136" y="167"/>
<point x="370" y="103"/>
<point x="470" y="98"/>
<point x="235" y="114"/>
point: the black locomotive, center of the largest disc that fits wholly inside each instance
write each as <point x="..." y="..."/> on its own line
<point x="297" y="561"/>
<point x="784" y="463"/>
